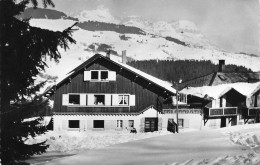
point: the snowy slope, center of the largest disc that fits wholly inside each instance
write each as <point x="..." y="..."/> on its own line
<point x="100" y="14"/>
<point x="139" y="47"/>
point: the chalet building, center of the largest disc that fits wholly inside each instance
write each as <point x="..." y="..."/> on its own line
<point x="226" y="104"/>
<point x="103" y="94"/>
<point x="196" y="108"/>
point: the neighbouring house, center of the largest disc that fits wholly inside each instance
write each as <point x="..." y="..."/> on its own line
<point x="193" y="110"/>
<point x="104" y="94"/>
<point x="226" y="104"/>
<point x="222" y="77"/>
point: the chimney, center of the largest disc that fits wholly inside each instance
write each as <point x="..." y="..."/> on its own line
<point x="221" y="66"/>
<point x="124" y="60"/>
<point x="108" y="54"/>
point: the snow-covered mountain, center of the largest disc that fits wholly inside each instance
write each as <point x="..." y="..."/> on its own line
<point x="183" y="41"/>
<point x="100" y="14"/>
<point x="183" y="30"/>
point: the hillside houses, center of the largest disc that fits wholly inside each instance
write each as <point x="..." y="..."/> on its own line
<point x="103" y="94"/>
<point x="222" y="77"/>
<point x="227" y="104"/>
<point x="218" y="100"/>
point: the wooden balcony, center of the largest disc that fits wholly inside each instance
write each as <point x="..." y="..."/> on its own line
<point x="219" y="112"/>
<point x="252" y="111"/>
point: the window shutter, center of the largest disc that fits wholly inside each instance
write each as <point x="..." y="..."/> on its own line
<point x="186" y="123"/>
<point x="115" y="99"/>
<point x="65" y="99"/>
<point x="65" y="124"/>
<point x="213" y="103"/>
<point x="107" y="99"/>
<point x="258" y="100"/>
<point x="132" y="100"/>
<point x="112" y="76"/>
<point x="248" y="102"/>
<point x="224" y="101"/>
<point x="83" y="99"/>
<point x="87" y="75"/>
<point x="91" y="99"/>
<point x="217" y="103"/>
<point x="174" y="101"/>
<point x="252" y="101"/>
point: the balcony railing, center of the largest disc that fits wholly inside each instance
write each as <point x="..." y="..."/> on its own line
<point x="222" y="111"/>
<point x="252" y="111"/>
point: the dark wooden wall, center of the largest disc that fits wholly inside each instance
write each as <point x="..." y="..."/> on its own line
<point x="144" y="97"/>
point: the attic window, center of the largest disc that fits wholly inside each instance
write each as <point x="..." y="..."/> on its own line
<point x="104" y="75"/>
<point x="94" y="75"/>
<point x="222" y="77"/>
<point x="99" y="75"/>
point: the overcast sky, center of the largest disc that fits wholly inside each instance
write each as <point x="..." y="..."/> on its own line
<point x="229" y="24"/>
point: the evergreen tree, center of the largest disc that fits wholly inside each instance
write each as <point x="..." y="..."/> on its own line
<point x="23" y="49"/>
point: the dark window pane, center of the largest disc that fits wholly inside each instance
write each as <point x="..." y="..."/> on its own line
<point x="98" y="124"/>
<point x="73" y="123"/>
<point x="180" y="122"/>
<point x="74" y="99"/>
<point x="99" y="99"/>
<point x="94" y="75"/>
<point x="104" y="75"/>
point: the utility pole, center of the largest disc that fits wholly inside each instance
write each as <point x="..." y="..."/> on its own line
<point x="177" y="108"/>
<point x="177" y="111"/>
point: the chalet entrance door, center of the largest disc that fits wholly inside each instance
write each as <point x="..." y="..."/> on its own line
<point x="151" y="124"/>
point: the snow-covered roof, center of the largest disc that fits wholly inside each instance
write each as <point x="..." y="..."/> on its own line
<point x="163" y="84"/>
<point x="246" y="89"/>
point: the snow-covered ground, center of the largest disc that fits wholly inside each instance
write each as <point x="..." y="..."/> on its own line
<point x="230" y="145"/>
<point x="74" y="141"/>
<point x="244" y="135"/>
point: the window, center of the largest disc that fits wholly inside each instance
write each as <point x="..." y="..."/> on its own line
<point x="99" y="99"/>
<point x="94" y="75"/>
<point x="74" y="99"/>
<point x="180" y="122"/>
<point x="182" y="98"/>
<point x="119" y="124"/>
<point x="131" y="123"/>
<point x="98" y="124"/>
<point x="104" y="75"/>
<point x="99" y="75"/>
<point x="73" y="123"/>
<point x="123" y="99"/>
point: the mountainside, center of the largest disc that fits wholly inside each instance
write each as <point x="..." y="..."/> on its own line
<point x="42" y="13"/>
<point x="179" y="40"/>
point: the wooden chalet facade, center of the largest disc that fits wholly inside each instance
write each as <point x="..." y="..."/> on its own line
<point x="228" y="104"/>
<point x="103" y="94"/>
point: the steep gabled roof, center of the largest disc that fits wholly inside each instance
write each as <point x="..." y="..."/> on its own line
<point x="218" y="78"/>
<point x="164" y="86"/>
<point x="214" y="92"/>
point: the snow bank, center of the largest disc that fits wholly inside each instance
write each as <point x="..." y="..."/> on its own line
<point x="248" y="159"/>
<point x="245" y="135"/>
<point x="73" y="141"/>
